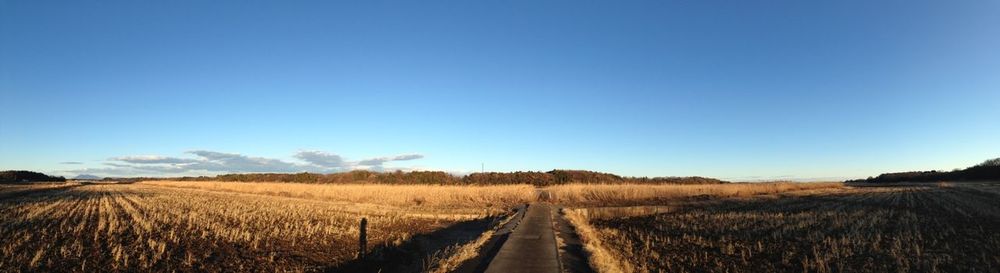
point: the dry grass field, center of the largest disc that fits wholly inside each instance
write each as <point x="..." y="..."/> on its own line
<point x="903" y="228"/>
<point x="605" y="195"/>
<point x="168" y="226"/>
<point x="231" y="227"/>
<point x="430" y="197"/>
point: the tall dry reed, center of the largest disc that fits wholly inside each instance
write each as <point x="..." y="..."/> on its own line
<point x="639" y="194"/>
<point x="434" y="196"/>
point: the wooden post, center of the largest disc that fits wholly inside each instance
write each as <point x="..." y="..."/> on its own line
<point x="363" y="239"/>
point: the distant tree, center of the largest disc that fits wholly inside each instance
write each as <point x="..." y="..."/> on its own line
<point x="553" y="177"/>
<point x="988" y="170"/>
<point x="990" y="163"/>
<point x="28" y="176"/>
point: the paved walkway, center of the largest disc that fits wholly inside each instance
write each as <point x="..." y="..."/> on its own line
<point x="532" y="246"/>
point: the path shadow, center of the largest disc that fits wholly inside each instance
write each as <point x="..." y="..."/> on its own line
<point x="413" y="255"/>
<point x="490" y="249"/>
<point x="572" y="255"/>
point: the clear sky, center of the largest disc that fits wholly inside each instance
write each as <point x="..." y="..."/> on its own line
<point x="740" y="90"/>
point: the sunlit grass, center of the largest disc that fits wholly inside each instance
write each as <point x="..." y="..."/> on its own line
<point x="211" y="227"/>
<point x="639" y="194"/>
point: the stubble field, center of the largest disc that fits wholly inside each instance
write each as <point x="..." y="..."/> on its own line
<point x="203" y="226"/>
<point x="905" y="228"/>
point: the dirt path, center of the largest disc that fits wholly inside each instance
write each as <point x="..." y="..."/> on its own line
<point x="531" y="247"/>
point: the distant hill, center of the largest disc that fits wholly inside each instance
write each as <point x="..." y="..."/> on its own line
<point x="554" y="177"/>
<point x="988" y="170"/>
<point x="28" y="176"/>
<point x="87" y="177"/>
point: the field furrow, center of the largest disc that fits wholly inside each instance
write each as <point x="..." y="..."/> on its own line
<point x="152" y="227"/>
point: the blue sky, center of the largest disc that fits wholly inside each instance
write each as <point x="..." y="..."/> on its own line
<point x="740" y="90"/>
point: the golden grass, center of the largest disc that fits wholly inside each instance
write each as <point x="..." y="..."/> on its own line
<point x="599" y="258"/>
<point x="150" y="227"/>
<point x="639" y="194"/>
<point x="499" y="197"/>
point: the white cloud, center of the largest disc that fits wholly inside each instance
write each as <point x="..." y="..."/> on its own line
<point x="151" y="159"/>
<point x="322" y="159"/>
<point x="229" y="162"/>
<point x="212" y="162"/>
<point x="378" y="161"/>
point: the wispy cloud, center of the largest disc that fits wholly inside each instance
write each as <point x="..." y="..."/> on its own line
<point x="71" y="162"/>
<point x="378" y="161"/>
<point x="107" y="171"/>
<point x="323" y="159"/>
<point x="229" y="162"/>
<point x="207" y="162"/>
<point x="152" y="159"/>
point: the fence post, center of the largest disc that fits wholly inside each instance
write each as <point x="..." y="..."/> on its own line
<point x="363" y="239"/>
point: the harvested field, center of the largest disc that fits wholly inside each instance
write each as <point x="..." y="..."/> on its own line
<point x="153" y="227"/>
<point x="913" y="228"/>
<point x="9" y="190"/>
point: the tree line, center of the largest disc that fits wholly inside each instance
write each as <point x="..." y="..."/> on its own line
<point x="988" y="170"/>
<point x="28" y="176"/>
<point x="554" y="177"/>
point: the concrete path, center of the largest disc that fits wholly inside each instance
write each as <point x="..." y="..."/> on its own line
<point x="531" y="248"/>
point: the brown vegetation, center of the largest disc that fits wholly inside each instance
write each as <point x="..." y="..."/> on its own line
<point x="633" y="194"/>
<point x="497" y="198"/>
<point x="927" y="228"/>
<point x="149" y="227"/>
<point x="599" y="257"/>
<point x="462" y="253"/>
